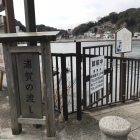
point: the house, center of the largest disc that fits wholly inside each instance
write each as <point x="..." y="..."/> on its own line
<point x="105" y="36"/>
<point x="107" y="32"/>
<point x="98" y="36"/>
<point x="89" y="34"/>
<point x="136" y="34"/>
<point x="17" y="29"/>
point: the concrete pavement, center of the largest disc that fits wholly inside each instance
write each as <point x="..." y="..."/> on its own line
<point x="87" y="129"/>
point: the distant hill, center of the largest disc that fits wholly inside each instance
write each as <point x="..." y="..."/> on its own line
<point x="21" y="26"/>
<point x="129" y="18"/>
<point x="41" y="28"/>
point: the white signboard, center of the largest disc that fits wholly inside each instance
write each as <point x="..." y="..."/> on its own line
<point x="123" y="41"/>
<point x="96" y="74"/>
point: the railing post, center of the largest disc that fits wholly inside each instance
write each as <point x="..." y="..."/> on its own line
<point x="84" y="80"/>
<point x="111" y="73"/>
<point x="78" y="75"/>
<point x="64" y="87"/>
<point x="123" y="80"/>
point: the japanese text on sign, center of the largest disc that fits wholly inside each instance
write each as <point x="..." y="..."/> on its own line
<point x="28" y="67"/>
<point x="29" y="87"/>
<point x="96" y="74"/>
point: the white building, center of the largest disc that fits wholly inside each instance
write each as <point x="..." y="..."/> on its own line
<point x="98" y="36"/>
<point x="17" y="29"/>
<point x="136" y="34"/>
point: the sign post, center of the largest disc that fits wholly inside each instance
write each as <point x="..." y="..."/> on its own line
<point x="123" y="44"/>
<point x="22" y="66"/>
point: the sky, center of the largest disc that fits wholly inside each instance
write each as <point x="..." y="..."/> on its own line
<point x="67" y="14"/>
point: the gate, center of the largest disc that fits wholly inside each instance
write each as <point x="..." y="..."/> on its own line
<point x="121" y="80"/>
<point x="104" y="95"/>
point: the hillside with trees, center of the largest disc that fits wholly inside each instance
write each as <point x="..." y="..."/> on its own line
<point x="129" y="18"/>
<point x="42" y="28"/>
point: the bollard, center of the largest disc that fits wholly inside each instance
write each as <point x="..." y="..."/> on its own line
<point x="114" y="128"/>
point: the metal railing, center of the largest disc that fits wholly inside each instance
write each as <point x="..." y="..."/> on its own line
<point x="64" y="69"/>
<point x="121" y="82"/>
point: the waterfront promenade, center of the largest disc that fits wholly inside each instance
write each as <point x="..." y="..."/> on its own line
<point x="87" y="129"/>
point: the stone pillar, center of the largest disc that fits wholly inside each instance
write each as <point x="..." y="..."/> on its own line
<point x="114" y="128"/>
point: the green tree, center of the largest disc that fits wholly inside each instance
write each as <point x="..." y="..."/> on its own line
<point x="95" y="30"/>
<point x="113" y="17"/>
<point x="137" y="29"/>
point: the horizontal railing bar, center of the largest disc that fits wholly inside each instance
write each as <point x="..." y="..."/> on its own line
<point x="109" y="57"/>
<point x="124" y="58"/>
<point x="64" y="41"/>
<point x="63" y="54"/>
<point x="90" y="47"/>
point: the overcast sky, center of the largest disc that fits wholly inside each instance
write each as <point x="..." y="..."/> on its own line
<point x="64" y="14"/>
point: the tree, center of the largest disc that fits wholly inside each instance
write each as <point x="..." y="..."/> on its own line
<point x="131" y="22"/>
<point x="137" y="29"/>
<point x="130" y="17"/>
<point x="113" y="17"/>
<point x="95" y="30"/>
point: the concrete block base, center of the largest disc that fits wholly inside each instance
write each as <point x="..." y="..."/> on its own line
<point x="114" y="128"/>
